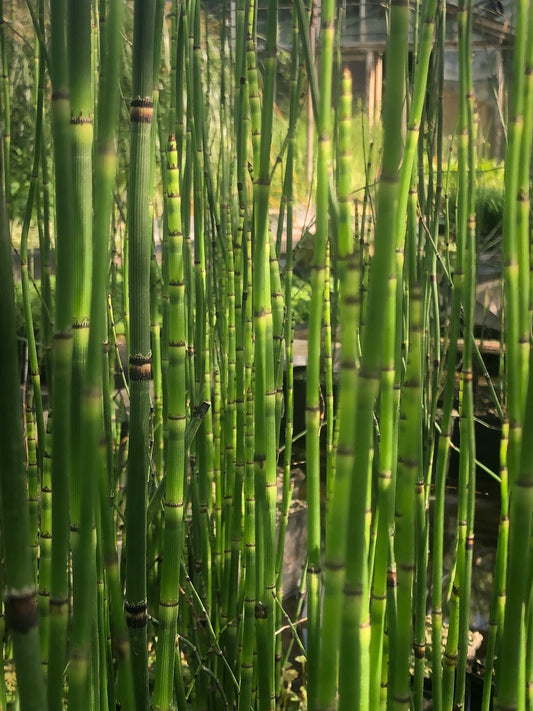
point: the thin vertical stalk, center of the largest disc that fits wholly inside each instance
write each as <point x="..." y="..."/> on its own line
<point x="6" y="111"/>
<point x="465" y="236"/>
<point x="140" y="230"/>
<point x="175" y="458"/>
<point x="33" y="480"/>
<point x="248" y="627"/>
<point x="440" y="482"/>
<point x="312" y="407"/>
<point x="384" y="515"/>
<point x="19" y="596"/>
<point x="510" y="672"/>
<point x="25" y="279"/>
<point x="408" y="475"/>
<point x="497" y="608"/>
<point x="288" y="199"/>
<point x="45" y="542"/>
<point x="264" y="385"/>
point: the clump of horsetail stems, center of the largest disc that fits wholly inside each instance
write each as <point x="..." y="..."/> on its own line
<point x="200" y="580"/>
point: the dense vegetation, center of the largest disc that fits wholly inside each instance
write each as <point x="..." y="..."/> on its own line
<point x="145" y="498"/>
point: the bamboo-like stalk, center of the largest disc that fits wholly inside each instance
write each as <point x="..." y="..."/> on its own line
<point x="79" y="48"/>
<point x="313" y="415"/>
<point x="61" y="390"/>
<point x="200" y="317"/>
<point x="288" y="201"/>
<point x="497" y="608"/>
<point x="141" y="115"/>
<point x="6" y="110"/>
<point x="514" y="363"/>
<point x="92" y="405"/>
<point x="33" y="480"/>
<point x="245" y="356"/>
<point x="465" y="236"/>
<point x="82" y="491"/>
<point x="19" y="596"/>
<point x="510" y="690"/>
<point x="510" y="684"/>
<point x="45" y="542"/>
<point x="156" y="286"/>
<point x="408" y="477"/>
<point x="44" y="222"/>
<point x="175" y="457"/>
<point x="25" y="278"/>
<point x="264" y="384"/>
<point x="440" y="480"/>
<point x="247" y="693"/>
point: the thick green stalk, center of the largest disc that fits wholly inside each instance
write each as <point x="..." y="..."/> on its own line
<point x="62" y="375"/>
<point x="264" y="385"/>
<point x="175" y="457"/>
<point x="92" y="405"/>
<point x="510" y="680"/>
<point x="82" y="112"/>
<point x="140" y="230"/>
<point x="19" y="596"/>
<point x="81" y="120"/>
<point x="510" y="689"/>
<point x="514" y="363"/>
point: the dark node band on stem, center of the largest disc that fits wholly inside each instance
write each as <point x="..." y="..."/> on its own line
<point x="136" y="614"/>
<point x="21" y="610"/>
<point x="141" y="110"/>
<point x="58" y="605"/>
<point x="140" y="367"/>
<point x="419" y="650"/>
